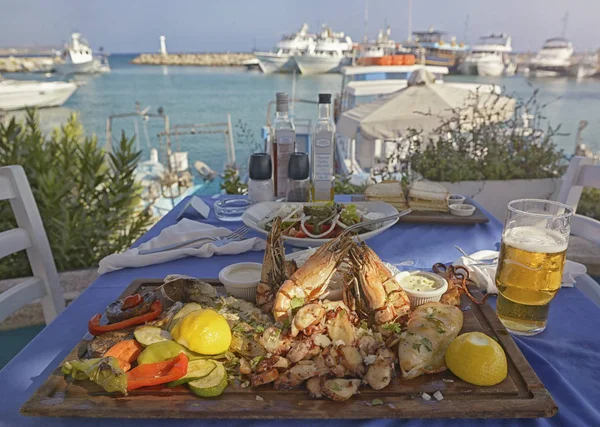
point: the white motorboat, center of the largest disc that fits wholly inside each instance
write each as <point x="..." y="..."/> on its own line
<point x="384" y="45"/>
<point x="19" y="94"/>
<point x="490" y="57"/>
<point x="281" y="58"/>
<point x="554" y="59"/>
<point x="77" y="57"/>
<point x="586" y="67"/>
<point x="332" y="51"/>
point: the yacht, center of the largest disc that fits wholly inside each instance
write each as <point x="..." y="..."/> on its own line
<point x="77" y="57"/>
<point x="431" y="48"/>
<point x="332" y="51"/>
<point x="490" y="57"/>
<point x="586" y="67"/>
<point x="554" y="59"/>
<point x="384" y="45"/>
<point x="19" y="94"/>
<point x="281" y="58"/>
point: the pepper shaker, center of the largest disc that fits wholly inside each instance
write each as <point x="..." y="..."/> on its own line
<point x="298" y="185"/>
<point x="260" y="184"/>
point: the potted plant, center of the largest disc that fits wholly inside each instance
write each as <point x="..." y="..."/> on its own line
<point x="474" y="154"/>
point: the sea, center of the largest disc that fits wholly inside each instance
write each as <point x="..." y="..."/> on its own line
<point x="196" y="95"/>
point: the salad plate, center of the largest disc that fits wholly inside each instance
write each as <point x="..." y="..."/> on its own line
<point x="313" y="224"/>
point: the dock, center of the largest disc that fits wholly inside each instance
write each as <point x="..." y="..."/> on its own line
<point x="194" y="59"/>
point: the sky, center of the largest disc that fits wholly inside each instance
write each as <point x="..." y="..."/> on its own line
<point x="241" y="25"/>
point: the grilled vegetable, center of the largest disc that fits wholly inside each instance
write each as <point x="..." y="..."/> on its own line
<point x="105" y="372"/>
<point x="96" y="329"/>
<point x="147" y="335"/>
<point x="197" y="369"/>
<point x="212" y="385"/>
<point x="340" y="389"/>
<point x="160" y="351"/>
<point x="157" y="373"/>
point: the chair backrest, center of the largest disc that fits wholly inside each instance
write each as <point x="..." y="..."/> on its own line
<point x="582" y="172"/>
<point x="31" y="237"/>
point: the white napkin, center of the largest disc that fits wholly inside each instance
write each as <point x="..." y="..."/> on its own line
<point x="184" y="230"/>
<point x="485" y="275"/>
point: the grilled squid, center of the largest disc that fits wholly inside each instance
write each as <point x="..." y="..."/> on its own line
<point x="431" y="328"/>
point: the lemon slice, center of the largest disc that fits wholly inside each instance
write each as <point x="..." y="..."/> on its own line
<point x="477" y="359"/>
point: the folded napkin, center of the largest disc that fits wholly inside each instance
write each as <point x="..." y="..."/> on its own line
<point x="485" y="275"/>
<point x="184" y="230"/>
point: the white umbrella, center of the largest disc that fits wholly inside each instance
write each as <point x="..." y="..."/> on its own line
<point x="418" y="106"/>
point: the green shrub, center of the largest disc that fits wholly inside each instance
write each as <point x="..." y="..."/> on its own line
<point x="457" y="150"/>
<point x="589" y="204"/>
<point x="88" y="200"/>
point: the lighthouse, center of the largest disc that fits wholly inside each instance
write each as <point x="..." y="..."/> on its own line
<point x="163" y="45"/>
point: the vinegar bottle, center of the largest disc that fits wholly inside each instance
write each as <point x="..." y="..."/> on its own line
<point x="284" y="144"/>
<point x="322" y="152"/>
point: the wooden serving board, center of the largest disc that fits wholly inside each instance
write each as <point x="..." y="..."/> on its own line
<point x="426" y="217"/>
<point x="520" y="395"/>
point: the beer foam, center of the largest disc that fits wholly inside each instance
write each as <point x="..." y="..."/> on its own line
<point x="535" y="239"/>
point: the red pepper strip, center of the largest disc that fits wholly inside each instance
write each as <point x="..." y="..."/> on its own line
<point x="157" y="373"/>
<point x="131" y="301"/>
<point x="96" y="328"/>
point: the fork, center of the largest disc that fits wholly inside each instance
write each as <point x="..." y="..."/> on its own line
<point x="234" y="236"/>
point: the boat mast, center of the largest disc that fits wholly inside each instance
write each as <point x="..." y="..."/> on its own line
<point x="409" y="38"/>
<point x="366" y="35"/>
<point x="565" y="21"/>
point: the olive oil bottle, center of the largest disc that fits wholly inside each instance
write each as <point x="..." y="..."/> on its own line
<point x="322" y="152"/>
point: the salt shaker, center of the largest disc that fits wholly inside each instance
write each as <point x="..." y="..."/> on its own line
<point x="298" y="185"/>
<point x="260" y="184"/>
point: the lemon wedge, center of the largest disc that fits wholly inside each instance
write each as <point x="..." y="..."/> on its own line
<point x="477" y="359"/>
<point x="203" y="331"/>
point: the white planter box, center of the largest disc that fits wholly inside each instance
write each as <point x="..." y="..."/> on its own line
<point x="494" y="195"/>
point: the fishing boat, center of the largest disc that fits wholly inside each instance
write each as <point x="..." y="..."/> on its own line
<point x="77" y="57"/>
<point x="281" y="58"/>
<point x="431" y="48"/>
<point x="20" y="94"/>
<point x="490" y="57"/>
<point x="378" y="48"/>
<point x="332" y="51"/>
<point x="553" y="60"/>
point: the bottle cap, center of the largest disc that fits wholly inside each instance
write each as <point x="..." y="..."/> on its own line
<point x="299" y="166"/>
<point x="260" y="167"/>
<point x="324" y="98"/>
<point x="282" y="101"/>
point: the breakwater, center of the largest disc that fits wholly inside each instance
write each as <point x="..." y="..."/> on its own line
<point x="197" y="59"/>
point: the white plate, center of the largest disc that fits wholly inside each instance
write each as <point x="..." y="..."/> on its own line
<point x="257" y="212"/>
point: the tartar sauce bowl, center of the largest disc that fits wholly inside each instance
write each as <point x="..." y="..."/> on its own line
<point x="456" y="199"/>
<point x="241" y="279"/>
<point x="462" y="209"/>
<point x="422" y="287"/>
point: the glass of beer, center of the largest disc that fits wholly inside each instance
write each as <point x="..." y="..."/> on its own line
<point x="531" y="263"/>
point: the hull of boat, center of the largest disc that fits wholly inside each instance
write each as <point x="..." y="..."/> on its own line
<point x="16" y="95"/>
<point x="309" y="64"/>
<point x="490" y="68"/>
<point x="468" y="68"/>
<point x="548" y="71"/>
<point x="70" y="68"/>
<point x="276" y="64"/>
<point x="582" y="71"/>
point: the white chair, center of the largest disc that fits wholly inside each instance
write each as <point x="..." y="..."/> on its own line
<point x="31" y="237"/>
<point x="582" y="172"/>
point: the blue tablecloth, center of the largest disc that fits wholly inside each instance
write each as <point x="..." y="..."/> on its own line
<point x="566" y="356"/>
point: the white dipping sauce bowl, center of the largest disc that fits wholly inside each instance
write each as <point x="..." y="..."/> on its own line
<point x="456" y="199"/>
<point x="241" y="279"/>
<point x="418" y="298"/>
<point x="462" y="210"/>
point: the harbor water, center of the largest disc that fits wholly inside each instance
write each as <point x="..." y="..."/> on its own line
<point x="206" y="94"/>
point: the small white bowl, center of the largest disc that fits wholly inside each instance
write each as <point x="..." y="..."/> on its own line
<point x="456" y="199"/>
<point x="418" y="298"/>
<point x="462" y="210"/>
<point x="241" y="279"/>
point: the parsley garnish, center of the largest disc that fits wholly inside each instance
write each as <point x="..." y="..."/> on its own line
<point x="417" y="346"/>
<point x="392" y="327"/>
<point x="260" y="328"/>
<point x="335" y="386"/>
<point x="427" y="344"/>
<point x="376" y="402"/>
<point x="255" y="361"/>
<point x="296" y="302"/>
<point x="364" y="325"/>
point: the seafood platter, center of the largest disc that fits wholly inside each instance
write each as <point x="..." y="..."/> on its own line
<point x="387" y="348"/>
<point x="313" y="224"/>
